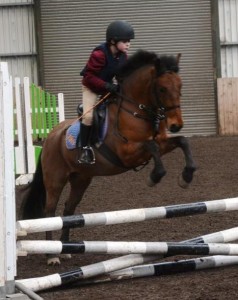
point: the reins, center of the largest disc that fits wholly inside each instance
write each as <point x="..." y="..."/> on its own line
<point x="152" y="113"/>
<point x="157" y="110"/>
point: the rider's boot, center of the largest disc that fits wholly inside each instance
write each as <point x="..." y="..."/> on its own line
<point x="87" y="155"/>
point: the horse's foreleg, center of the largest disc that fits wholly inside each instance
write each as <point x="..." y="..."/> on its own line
<point x="182" y="142"/>
<point x="190" y="167"/>
<point x="158" y="171"/>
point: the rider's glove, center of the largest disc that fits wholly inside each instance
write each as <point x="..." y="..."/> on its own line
<point x="111" y="87"/>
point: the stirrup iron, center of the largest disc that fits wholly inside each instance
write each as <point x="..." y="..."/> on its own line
<point x="87" y="156"/>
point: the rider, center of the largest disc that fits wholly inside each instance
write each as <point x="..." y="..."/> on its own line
<point x="98" y="75"/>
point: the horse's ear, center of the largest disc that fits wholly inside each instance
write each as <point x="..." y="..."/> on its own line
<point x="158" y="66"/>
<point x="157" y="63"/>
<point x="178" y="58"/>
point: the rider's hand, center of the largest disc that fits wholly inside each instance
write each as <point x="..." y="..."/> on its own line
<point x="111" y="87"/>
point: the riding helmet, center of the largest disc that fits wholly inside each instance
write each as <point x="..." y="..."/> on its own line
<point x="119" y="31"/>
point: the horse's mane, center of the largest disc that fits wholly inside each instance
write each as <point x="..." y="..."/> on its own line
<point x="142" y="58"/>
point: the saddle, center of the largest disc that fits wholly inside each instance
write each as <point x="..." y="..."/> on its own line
<point x="99" y="129"/>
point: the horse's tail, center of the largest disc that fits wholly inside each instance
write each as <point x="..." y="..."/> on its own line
<point x="34" y="203"/>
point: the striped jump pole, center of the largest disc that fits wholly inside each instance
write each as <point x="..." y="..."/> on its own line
<point x="54" y="280"/>
<point x="166" y="268"/>
<point x="115" y="264"/>
<point x="159" y="269"/>
<point x="122" y="247"/>
<point x="125" y="216"/>
<point x="58" y="247"/>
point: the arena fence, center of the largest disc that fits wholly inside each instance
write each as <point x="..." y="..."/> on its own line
<point x="36" y="112"/>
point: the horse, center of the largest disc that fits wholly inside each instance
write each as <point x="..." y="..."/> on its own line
<point x="140" y="116"/>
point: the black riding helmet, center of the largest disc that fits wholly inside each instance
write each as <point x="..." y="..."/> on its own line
<point x="119" y="31"/>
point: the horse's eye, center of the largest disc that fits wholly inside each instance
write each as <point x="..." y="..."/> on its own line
<point x="162" y="89"/>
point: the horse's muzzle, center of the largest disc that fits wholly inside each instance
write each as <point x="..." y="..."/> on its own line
<point x="175" y="128"/>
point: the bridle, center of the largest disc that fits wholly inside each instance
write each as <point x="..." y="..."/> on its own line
<point x="155" y="111"/>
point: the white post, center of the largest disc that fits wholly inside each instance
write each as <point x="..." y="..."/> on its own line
<point x="7" y="189"/>
<point x="20" y="159"/>
<point x="31" y="165"/>
<point x="61" y="107"/>
<point x="2" y="210"/>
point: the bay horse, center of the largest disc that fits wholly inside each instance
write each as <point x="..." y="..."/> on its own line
<point x="139" y="116"/>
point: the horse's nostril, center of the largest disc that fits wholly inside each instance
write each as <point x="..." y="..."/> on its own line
<point x="175" y="128"/>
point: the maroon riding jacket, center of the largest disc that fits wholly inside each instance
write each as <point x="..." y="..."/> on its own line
<point x="101" y="68"/>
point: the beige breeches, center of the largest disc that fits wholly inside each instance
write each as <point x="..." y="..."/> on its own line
<point x="89" y="100"/>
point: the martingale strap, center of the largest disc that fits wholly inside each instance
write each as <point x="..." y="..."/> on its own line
<point x="107" y="153"/>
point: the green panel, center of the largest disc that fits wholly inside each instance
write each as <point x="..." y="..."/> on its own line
<point x="39" y="113"/>
<point x="43" y="106"/>
<point x="37" y="153"/>
<point x="54" y="110"/>
<point x="44" y="112"/>
<point x="50" y="126"/>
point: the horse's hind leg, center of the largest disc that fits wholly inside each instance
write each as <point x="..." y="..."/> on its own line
<point x="54" y="190"/>
<point x="78" y="187"/>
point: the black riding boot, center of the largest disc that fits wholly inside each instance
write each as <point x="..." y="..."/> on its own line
<point x="87" y="155"/>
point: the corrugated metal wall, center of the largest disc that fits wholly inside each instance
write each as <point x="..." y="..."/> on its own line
<point x="71" y="29"/>
<point x="17" y="36"/>
<point x="228" y="24"/>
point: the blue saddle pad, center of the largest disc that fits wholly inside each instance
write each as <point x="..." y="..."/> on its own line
<point x="73" y="132"/>
<point x="72" y="135"/>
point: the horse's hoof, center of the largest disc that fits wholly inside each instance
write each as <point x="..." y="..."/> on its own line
<point x="53" y="261"/>
<point x="150" y="182"/>
<point x="182" y="183"/>
<point x="66" y="256"/>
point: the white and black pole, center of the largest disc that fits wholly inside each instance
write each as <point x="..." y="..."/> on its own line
<point x="125" y="216"/>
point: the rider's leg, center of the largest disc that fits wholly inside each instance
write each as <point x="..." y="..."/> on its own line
<point x="89" y="100"/>
<point x="87" y="155"/>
